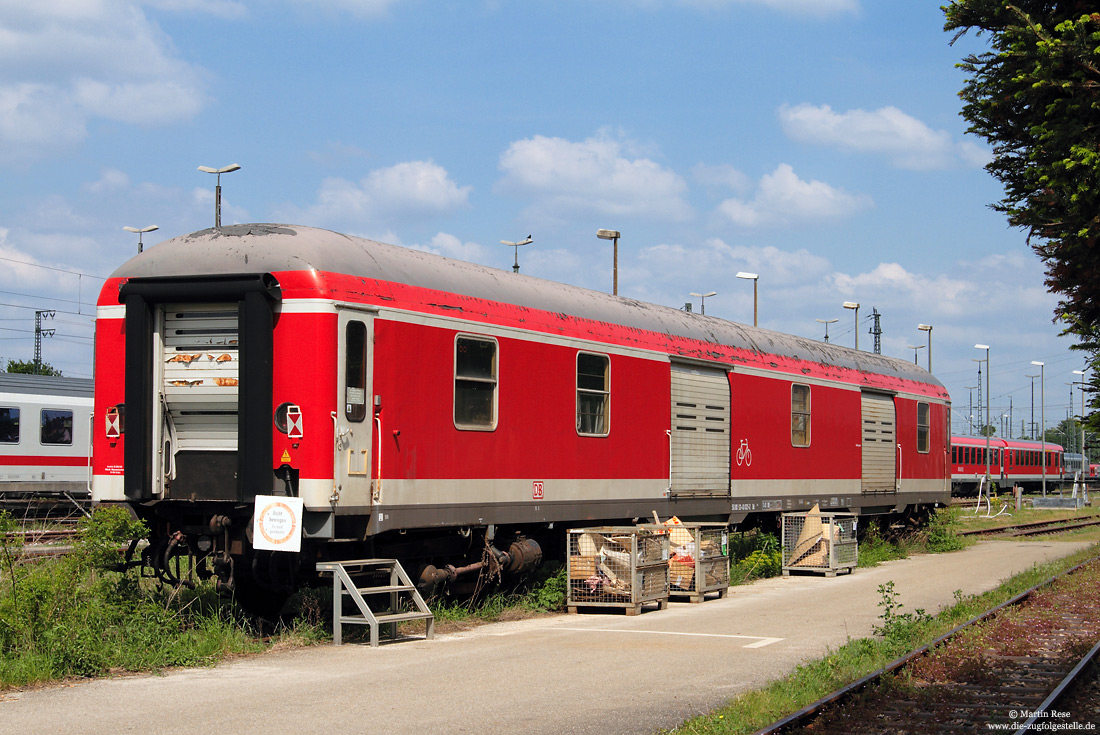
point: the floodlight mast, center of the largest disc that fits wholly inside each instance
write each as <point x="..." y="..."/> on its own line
<point x="854" y="305"/>
<point x="141" y="231"/>
<point x="755" y="278"/>
<point x="1043" y="417"/>
<point x="988" y="400"/>
<point x="516" y="245"/>
<point x="703" y="300"/>
<point x="614" y="236"/>
<point x="218" y="189"/>
<point x="927" y="328"/>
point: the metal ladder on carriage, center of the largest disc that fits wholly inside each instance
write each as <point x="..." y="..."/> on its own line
<point x="396" y="599"/>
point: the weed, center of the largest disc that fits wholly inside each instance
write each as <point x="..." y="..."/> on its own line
<point x="897" y="626"/>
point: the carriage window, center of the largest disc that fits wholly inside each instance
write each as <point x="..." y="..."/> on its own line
<point x="954" y="455"/>
<point x="922" y="427"/>
<point x="593" y="393"/>
<point x="355" y="372"/>
<point x="57" y="426"/>
<point x="800" y="415"/>
<point x="9" y="425"/>
<point x="475" y="383"/>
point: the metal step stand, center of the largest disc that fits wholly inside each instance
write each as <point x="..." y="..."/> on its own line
<point x="387" y="597"/>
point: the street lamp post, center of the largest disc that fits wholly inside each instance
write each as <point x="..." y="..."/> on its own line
<point x="927" y="328"/>
<point x="854" y="305"/>
<point x="1084" y="459"/>
<point x="218" y="189"/>
<point x="1043" y="418"/>
<point x="703" y="300"/>
<point x="914" y="348"/>
<point x="516" y="246"/>
<point x="827" y="322"/>
<point x="755" y="278"/>
<point x="141" y="231"/>
<point x="987" y="402"/>
<point x="612" y="235"/>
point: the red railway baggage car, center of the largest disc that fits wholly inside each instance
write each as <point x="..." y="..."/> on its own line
<point x="443" y="412"/>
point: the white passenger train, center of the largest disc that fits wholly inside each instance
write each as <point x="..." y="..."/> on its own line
<point x="45" y="435"/>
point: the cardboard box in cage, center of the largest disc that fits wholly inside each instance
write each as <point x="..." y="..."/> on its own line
<point x="699" y="559"/>
<point x="681" y="574"/>
<point x="582" y="567"/>
<point x="819" y="542"/>
<point x="622" y="567"/>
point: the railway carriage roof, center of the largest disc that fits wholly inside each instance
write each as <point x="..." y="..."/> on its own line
<point x="255" y="248"/>
<point x="49" y="385"/>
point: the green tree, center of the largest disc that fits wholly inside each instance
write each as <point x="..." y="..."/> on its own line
<point x="30" y="368"/>
<point x="1035" y="97"/>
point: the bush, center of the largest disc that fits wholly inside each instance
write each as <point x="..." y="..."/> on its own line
<point x="942" y="531"/>
<point x="754" y="556"/>
<point x="875" y="548"/>
<point x="77" y="615"/>
<point x="550" y="594"/>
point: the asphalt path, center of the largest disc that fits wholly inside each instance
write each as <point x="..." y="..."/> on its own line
<point x="597" y="674"/>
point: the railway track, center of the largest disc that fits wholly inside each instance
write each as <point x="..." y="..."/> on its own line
<point x="1013" y="668"/>
<point x="1033" y="528"/>
<point x="53" y="508"/>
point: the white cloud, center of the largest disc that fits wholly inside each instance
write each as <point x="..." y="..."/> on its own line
<point x="360" y="8"/>
<point x="905" y="140"/>
<point x="228" y="9"/>
<point x="816" y="8"/>
<point x="452" y="247"/>
<point x="412" y="188"/>
<point x="110" y="179"/>
<point x="783" y="198"/>
<point x="64" y="63"/>
<point x="720" y="177"/>
<point x="594" y="176"/>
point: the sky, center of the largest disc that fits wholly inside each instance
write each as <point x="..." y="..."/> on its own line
<point x="817" y="143"/>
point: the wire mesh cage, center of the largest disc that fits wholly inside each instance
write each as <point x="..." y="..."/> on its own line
<point x="699" y="560"/>
<point x="819" y="542"/>
<point x="622" y="567"/>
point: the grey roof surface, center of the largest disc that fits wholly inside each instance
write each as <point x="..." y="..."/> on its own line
<point x="49" y="385"/>
<point x="255" y="248"/>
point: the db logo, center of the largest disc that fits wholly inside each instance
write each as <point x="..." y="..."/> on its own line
<point x="536" y="490"/>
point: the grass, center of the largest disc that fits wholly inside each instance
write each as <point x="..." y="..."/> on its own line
<point x="76" y="616"/>
<point x="545" y="592"/>
<point x="972" y="520"/>
<point x="937" y="536"/>
<point x="899" y="633"/>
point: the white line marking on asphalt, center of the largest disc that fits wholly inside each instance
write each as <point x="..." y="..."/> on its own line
<point x="760" y="641"/>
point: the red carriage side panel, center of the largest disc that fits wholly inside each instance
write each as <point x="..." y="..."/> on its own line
<point x="762" y="416"/>
<point x="535" y="435"/>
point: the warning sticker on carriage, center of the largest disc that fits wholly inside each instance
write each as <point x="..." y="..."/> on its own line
<point x="277" y="523"/>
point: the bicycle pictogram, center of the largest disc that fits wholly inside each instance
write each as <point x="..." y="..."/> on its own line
<point x="744" y="454"/>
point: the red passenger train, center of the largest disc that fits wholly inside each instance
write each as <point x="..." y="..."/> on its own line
<point x="1011" y="462"/>
<point x="433" y="410"/>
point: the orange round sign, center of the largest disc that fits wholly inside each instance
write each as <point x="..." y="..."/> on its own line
<point x="277" y="523"/>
